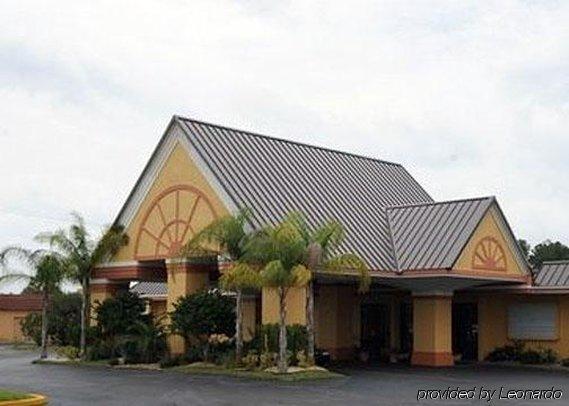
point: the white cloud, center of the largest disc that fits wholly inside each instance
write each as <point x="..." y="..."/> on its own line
<point x="472" y="98"/>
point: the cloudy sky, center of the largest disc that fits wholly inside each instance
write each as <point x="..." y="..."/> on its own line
<point x="472" y="97"/>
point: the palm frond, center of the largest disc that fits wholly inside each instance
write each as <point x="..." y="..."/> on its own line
<point x="300" y="276"/>
<point x="109" y="244"/>
<point x="12" y="277"/>
<point x="225" y="235"/>
<point x="274" y="275"/>
<point x="350" y="262"/>
<point x="241" y="276"/>
<point x="330" y="235"/>
<point x="16" y="253"/>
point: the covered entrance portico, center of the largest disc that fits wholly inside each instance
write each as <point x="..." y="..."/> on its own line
<point x="424" y="319"/>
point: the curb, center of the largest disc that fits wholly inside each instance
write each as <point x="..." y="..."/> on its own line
<point x="34" y="400"/>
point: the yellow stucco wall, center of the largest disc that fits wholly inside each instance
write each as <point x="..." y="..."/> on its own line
<point x="488" y="227"/>
<point x="493" y="322"/>
<point x="182" y="281"/>
<point x="158" y="308"/>
<point x="249" y="318"/>
<point x="295" y="306"/>
<point x="337" y="317"/>
<point x="178" y="170"/>
<point x="10" y="328"/>
<point x="432" y="324"/>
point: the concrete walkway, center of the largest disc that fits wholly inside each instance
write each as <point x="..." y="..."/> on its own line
<point x="73" y="385"/>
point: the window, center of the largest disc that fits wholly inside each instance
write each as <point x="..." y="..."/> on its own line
<point x="532" y="321"/>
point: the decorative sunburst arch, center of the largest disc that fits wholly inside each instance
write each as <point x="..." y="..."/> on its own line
<point x="489" y="256"/>
<point x="168" y="222"/>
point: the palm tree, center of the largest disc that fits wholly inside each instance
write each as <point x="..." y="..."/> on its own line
<point x="48" y="275"/>
<point x="280" y="250"/>
<point x="228" y="237"/>
<point x="321" y="255"/>
<point x="82" y="255"/>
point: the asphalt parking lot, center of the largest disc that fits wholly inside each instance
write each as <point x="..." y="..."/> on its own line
<point x="74" y="385"/>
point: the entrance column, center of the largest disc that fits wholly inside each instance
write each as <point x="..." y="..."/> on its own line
<point x="102" y="289"/>
<point x="432" y="330"/>
<point x="185" y="277"/>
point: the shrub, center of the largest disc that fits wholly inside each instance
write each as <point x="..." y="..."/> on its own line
<point x="539" y="356"/>
<point x="267" y="340"/>
<point x="303" y="360"/>
<point x="68" y="352"/>
<point x="100" y="348"/>
<point x="117" y="315"/>
<point x="168" y="361"/>
<point x="268" y="360"/>
<point x="194" y="353"/>
<point x="31" y="327"/>
<point x="219" y="349"/>
<point x="518" y="353"/>
<point x="124" y="331"/>
<point x="202" y="314"/>
<point x="63" y="321"/>
<point x="509" y="352"/>
<point x="147" y="342"/>
<point x="251" y="360"/>
<point x="565" y="362"/>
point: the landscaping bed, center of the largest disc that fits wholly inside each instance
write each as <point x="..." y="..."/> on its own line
<point x="293" y="374"/>
<point x="9" y="395"/>
<point x="8" y="398"/>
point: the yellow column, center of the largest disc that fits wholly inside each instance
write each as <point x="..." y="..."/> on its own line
<point x="432" y="331"/>
<point x="102" y="289"/>
<point x="183" y="278"/>
<point x="295" y="306"/>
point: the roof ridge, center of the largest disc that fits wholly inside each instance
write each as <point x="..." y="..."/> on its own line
<point x="556" y="262"/>
<point x="471" y="199"/>
<point x="303" y="144"/>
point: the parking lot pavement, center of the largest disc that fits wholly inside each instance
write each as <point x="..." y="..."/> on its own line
<point x="80" y="385"/>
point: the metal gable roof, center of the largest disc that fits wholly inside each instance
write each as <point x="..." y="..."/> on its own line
<point x="553" y="273"/>
<point x="432" y="235"/>
<point x="146" y="289"/>
<point x="272" y="177"/>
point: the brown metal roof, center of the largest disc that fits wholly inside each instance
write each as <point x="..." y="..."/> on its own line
<point x="21" y="302"/>
<point x="273" y="177"/>
<point x="553" y="273"/>
<point x="432" y="235"/>
<point x="390" y="220"/>
<point x="150" y="289"/>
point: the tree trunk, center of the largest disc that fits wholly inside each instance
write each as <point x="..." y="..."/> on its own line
<point x="310" y="321"/>
<point x="282" y="364"/>
<point x="85" y="308"/>
<point x="239" y="327"/>
<point x="44" y="324"/>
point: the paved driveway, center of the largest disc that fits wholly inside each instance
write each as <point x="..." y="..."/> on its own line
<point x="70" y="385"/>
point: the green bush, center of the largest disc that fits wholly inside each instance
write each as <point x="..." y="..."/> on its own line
<point x="251" y="360"/>
<point x="539" y="356"/>
<point x="117" y="315"/>
<point x="123" y="330"/>
<point x="68" y="352"/>
<point x="31" y="327"/>
<point x="517" y="352"/>
<point x="565" y="362"/>
<point x="199" y="315"/>
<point x="168" y="361"/>
<point x="146" y="342"/>
<point x="63" y="321"/>
<point x="266" y="340"/>
<point x="509" y="352"/>
<point x="101" y="348"/>
<point x="194" y="353"/>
